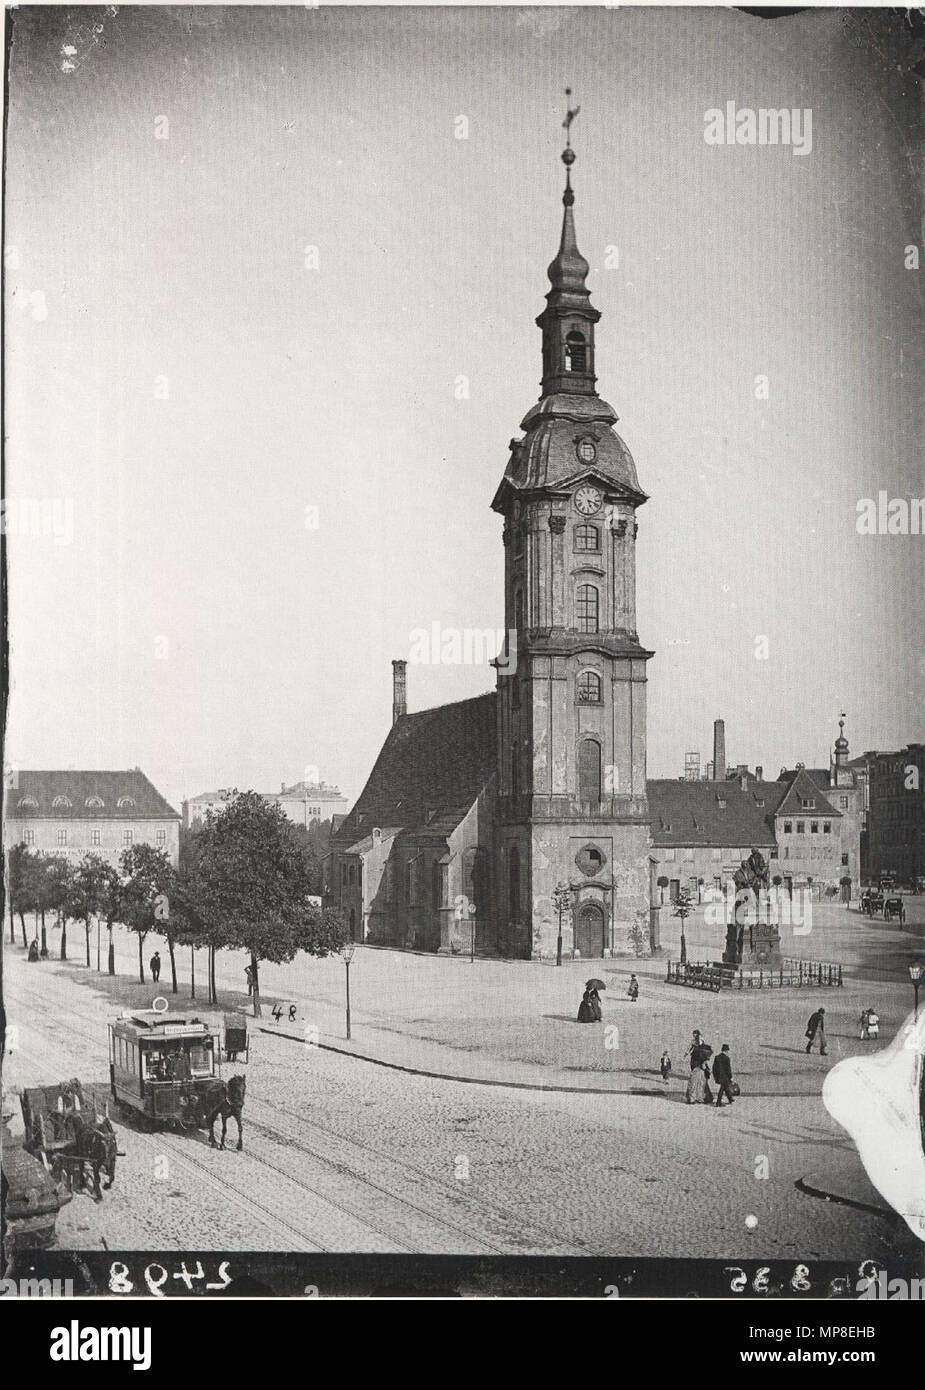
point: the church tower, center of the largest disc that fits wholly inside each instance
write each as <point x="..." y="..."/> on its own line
<point x="572" y="824"/>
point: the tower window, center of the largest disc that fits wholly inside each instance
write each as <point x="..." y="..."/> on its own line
<point x="576" y="352"/>
<point x="587" y="538"/>
<point x="589" y="688"/>
<point x="587" y="601"/>
<point x="589" y="771"/>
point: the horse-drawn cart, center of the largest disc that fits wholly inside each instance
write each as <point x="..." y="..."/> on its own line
<point x="72" y="1141"/>
<point x="236" y="1039"/>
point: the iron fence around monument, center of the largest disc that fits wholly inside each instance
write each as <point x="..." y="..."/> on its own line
<point x="791" y="973"/>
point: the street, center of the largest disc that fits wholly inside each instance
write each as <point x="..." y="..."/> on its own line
<point x="347" y="1154"/>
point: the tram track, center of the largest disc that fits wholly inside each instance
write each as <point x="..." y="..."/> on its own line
<point x="453" y="1236"/>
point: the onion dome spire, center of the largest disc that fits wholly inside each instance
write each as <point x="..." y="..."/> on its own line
<point x="569" y="270"/>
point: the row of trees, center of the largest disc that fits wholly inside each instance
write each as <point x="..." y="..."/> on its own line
<point x="243" y="882"/>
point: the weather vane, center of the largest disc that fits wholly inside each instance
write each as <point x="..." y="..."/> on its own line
<point x="570" y="114"/>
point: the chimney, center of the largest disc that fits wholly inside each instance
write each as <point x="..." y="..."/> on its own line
<point x="399" y="690"/>
<point x="759" y="773"/>
<point x="282" y="787"/>
<point x="719" y="750"/>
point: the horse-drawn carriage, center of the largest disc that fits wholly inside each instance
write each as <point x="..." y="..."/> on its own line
<point x="165" y="1070"/>
<point x="871" y="902"/>
<point x="64" y="1130"/>
<point x="894" y="907"/>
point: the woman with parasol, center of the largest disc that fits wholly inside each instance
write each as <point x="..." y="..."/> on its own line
<point x="589" y="1010"/>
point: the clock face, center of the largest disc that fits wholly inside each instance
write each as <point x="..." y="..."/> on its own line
<point x="588" y="500"/>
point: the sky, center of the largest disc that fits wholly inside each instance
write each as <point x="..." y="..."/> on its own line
<point x="252" y="271"/>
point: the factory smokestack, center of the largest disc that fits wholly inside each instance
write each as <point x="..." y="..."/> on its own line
<point x="719" y="750"/>
<point x="399" y="690"/>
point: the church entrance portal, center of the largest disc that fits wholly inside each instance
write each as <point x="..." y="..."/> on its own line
<point x="589" y="937"/>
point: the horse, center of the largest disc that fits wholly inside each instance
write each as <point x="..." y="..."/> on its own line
<point x="95" y="1145"/>
<point x="229" y="1101"/>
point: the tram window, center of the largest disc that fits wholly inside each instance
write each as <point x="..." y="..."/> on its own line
<point x="200" y="1059"/>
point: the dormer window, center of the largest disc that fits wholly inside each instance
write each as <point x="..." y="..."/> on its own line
<point x="61" y="803"/>
<point x="28" y="803"/>
<point x="94" y="803"/>
<point x="126" y="803"/>
<point x="576" y="352"/>
<point x="807" y="805"/>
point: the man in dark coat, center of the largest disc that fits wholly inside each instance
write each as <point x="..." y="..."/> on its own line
<point x="156" y="966"/>
<point x="815" y="1028"/>
<point x="722" y="1075"/>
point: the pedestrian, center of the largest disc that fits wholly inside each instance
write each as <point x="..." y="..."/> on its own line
<point x="722" y="1075"/>
<point x="664" y="1066"/>
<point x="156" y="966"/>
<point x="249" y="972"/>
<point x="589" y="1010"/>
<point x="699" y="1051"/>
<point x="815" y="1028"/>
<point x="698" y="1086"/>
<point x="633" y="990"/>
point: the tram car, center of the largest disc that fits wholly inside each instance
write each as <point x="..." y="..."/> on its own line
<point x="164" y="1068"/>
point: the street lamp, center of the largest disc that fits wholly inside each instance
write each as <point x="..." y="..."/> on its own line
<point x="347" y="954"/>
<point x="915" y="975"/>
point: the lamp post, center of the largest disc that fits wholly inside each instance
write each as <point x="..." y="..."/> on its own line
<point x="683" y="910"/>
<point x="915" y="975"/>
<point x="347" y="953"/>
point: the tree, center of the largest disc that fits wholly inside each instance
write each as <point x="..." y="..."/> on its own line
<point x="91" y="891"/>
<point x="21" y="886"/>
<point x="250" y="886"/>
<point x="147" y="877"/>
<point x="662" y="882"/>
<point x="59" y="873"/>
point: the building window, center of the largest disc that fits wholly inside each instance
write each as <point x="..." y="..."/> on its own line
<point x="801" y="827"/>
<point x="587" y="538"/>
<point x="589" y="771"/>
<point x="788" y="827"/>
<point x="409" y="882"/>
<point x="827" y="827"/>
<point x="125" y="802"/>
<point x="519" y="610"/>
<point x="343" y="874"/>
<point x="352" y="874"/>
<point x="587" y="602"/>
<point x="716" y="854"/>
<point x="576" y="355"/>
<point x="94" y="803"/>
<point x="807" y="805"/>
<point x="160" y="837"/>
<point x="515" y="772"/>
<point x="62" y="837"/>
<point x="843" y="803"/>
<point x="94" y="837"/>
<point x="844" y="860"/>
<point x="814" y="827"/>
<point x="514" y="884"/>
<point x="61" y="801"/>
<point x="126" y="837"/>
<point x="589" y="688"/>
<point x="28" y="837"/>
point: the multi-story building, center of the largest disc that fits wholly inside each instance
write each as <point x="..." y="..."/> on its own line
<point x="78" y="813"/>
<point x="303" y="802"/>
<point x="896" y="814"/>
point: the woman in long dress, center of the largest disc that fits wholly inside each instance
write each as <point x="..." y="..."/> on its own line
<point x="698" y="1087"/>
<point x="589" y="1010"/>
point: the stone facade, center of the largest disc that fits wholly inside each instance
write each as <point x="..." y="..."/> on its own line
<point x="78" y="813"/>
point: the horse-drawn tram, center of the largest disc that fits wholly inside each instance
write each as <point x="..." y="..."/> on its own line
<point x="163" y="1068"/>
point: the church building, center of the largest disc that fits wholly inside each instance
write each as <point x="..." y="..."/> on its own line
<point x="492" y="824"/>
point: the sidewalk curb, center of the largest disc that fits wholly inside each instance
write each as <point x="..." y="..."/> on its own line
<point x="549" y="1086"/>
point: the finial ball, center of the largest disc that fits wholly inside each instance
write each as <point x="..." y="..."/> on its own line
<point x="568" y="156"/>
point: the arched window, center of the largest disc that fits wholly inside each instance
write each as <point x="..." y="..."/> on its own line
<point x="126" y="802"/>
<point x="513" y="897"/>
<point x="28" y="803"/>
<point x="94" y="802"/>
<point x="587" y="538"/>
<point x="589" y="688"/>
<point x="519" y="609"/>
<point x="61" y="801"/>
<point x="589" y="770"/>
<point x="353" y="924"/>
<point x="587" y="602"/>
<point x="515" y="772"/>
<point x="576" y="353"/>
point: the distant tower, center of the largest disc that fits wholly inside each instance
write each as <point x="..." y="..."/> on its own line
<point x="692" y="767"/>
<point x="719" y="750"/>
<point x="399" y="690"/>
<point x="841" y="774"/>
<point x="572" y="806"/>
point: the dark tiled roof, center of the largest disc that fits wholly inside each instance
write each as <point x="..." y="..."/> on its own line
<point x="431" y="769"/>
<point x="691" y="813"/>
<point x="35" y="794"/>
<point x="803" y="787"/>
